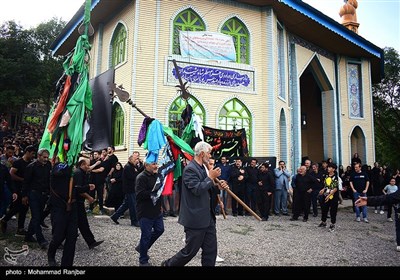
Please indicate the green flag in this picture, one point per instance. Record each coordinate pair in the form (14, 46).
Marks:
(63, 135)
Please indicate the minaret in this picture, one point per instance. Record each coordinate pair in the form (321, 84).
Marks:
(349, 16)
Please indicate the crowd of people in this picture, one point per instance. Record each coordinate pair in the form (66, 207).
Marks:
(315, 186)
(31, 181)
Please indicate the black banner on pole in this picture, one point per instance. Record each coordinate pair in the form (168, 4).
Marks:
(99, 135)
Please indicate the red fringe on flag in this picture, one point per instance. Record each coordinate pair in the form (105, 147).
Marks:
(60, 106)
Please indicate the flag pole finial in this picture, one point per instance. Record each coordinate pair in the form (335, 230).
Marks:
(86, 27)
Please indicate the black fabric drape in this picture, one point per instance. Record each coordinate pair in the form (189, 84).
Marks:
(99, 135)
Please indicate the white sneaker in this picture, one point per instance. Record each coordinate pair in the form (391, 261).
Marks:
(358, 219)
(376, 211)
(219, 259)
(366, 220)
(390, 220)
(381, 212)
(398, 249)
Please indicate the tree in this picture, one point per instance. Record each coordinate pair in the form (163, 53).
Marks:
(386, 97)
(52, 69)
(28, 72)
(19, 62)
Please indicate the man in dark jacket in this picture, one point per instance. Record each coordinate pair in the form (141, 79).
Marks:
(129, 174)
(302, 201)
(197, 212)
(149, 214)
(386, 199)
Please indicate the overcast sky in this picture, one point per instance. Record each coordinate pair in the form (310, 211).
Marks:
(379, 19)
(29, 13)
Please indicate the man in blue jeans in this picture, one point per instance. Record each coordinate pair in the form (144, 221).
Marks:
(149, 214)
(359, 183)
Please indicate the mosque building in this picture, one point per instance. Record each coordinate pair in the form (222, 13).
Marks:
(298, 82)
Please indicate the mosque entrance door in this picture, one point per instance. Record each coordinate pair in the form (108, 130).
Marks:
(318, 122)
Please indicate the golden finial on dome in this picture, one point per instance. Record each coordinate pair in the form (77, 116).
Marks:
(349, 15)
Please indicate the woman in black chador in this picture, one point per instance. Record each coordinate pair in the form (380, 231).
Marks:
(115, 193)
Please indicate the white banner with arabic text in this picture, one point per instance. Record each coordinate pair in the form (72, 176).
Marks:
(207, 45)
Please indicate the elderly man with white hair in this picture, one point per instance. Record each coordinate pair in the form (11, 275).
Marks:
(197, 213)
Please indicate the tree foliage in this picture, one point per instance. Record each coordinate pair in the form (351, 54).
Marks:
(28, 72)
(386, 96)
(45, 34)
(19, 67)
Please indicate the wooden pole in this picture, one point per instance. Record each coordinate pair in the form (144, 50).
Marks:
(234, 196)
(243, 204)
(222, 208)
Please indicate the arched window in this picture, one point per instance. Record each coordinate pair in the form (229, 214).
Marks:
(187, 20)
(354, 77)
(283, 137)
(281, 63)
(117, 125)
(235, 115)
(118, 45)
(240, 34)
(176, 110)
(358, 143)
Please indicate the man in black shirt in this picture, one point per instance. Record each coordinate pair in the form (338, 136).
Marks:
(64, 212)
(81, 178)
(36, 187)
(99, 169)
(359, 183)
(17, 172)
(265, 189)
(5, 180)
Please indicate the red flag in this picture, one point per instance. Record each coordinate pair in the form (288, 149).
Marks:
(168, 184)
